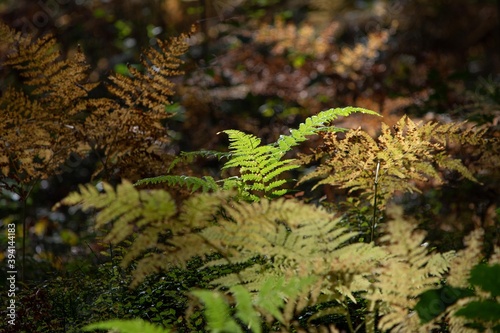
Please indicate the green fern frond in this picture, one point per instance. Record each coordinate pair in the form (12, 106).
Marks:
(189, 157)
(261, 165)
(277, 300)
(205, 184)
(316, 123)
(126, 326)
(258, 165)
(217, 312)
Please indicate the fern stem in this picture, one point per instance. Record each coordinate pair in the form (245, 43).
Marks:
(375, 202)
(349, 320)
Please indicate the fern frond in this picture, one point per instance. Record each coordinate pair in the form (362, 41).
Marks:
(151, 89)
(459, 276)
(126, 326)
(205, 184)
(260, 165)
(126, 207)
(408, 154)
(53, 91)
(297, 240)
(58, 83)
(465, 259)
(408, 271)
(217, 312)
(314, 124)
(275, 301)
(189, 157)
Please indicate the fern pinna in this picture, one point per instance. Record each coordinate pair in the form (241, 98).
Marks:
(260, 166)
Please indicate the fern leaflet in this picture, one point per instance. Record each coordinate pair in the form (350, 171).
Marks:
(205, 184)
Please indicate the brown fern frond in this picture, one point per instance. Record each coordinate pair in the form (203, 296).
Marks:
(38, 123)
(128, 127)
(151, 88)
(58, 83)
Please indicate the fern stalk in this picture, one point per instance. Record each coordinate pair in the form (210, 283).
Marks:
(375, 202)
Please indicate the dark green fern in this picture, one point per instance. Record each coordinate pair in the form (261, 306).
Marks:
(205, 183)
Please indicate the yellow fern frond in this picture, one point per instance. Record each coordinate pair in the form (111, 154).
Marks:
(465, 259)
(409, 270)
(407, 154)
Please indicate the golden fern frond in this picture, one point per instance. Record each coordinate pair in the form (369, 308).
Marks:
(145, 214)
(409, 270)
(459, 275)
(8, 36)
(59, 84)
(296, 240)
(148, 216)
(407, 154)
(126, 207)
(465, 259)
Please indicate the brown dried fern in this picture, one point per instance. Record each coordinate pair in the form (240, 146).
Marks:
(37, 123)
(128, 127)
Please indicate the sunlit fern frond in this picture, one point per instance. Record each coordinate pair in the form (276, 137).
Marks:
(274, 302)
(124, 206)
(296, 240)
(315, 124)
(261, 165)
(465, 259)
(407, 154)
(460, 277)
(409, 270)
(258, 165)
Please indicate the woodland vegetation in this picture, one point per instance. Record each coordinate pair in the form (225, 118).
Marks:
(251, 165)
